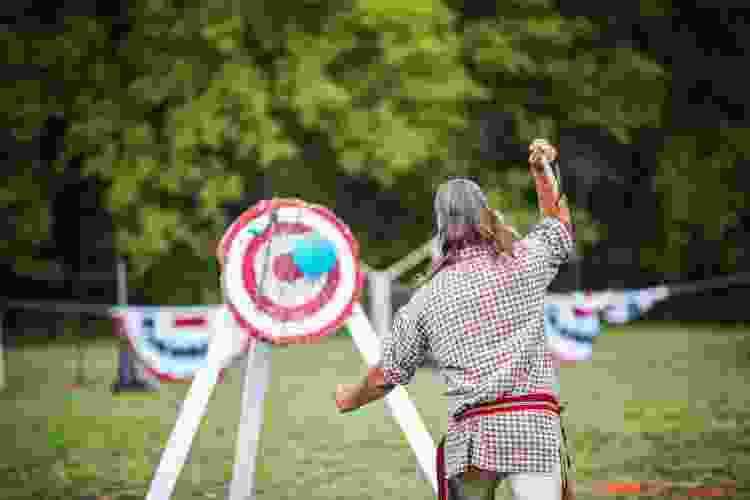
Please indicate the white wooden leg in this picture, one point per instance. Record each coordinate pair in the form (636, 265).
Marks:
(255, 382)
(178, 446)
(381, 303)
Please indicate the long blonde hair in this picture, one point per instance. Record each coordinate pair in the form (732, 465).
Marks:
(493, 228)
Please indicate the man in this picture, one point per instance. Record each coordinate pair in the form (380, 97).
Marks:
(481, 315)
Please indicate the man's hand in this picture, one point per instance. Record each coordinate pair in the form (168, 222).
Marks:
(373, 388)
(539, 151)
(347, 397)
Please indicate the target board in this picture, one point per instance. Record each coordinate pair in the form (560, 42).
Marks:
(280, 281)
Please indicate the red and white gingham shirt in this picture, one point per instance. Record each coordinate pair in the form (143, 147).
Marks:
(483, 320)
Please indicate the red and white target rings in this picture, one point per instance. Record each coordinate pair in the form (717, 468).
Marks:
(268, 295)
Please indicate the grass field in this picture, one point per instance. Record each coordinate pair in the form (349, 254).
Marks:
(657, 402)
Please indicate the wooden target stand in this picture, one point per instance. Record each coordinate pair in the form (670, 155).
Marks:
(230, 341)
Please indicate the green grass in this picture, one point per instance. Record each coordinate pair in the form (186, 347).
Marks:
(657, 402)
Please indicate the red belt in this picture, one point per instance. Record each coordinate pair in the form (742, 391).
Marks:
(544, 402)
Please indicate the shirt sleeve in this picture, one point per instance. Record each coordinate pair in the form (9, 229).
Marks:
(555, 241)
(404, 349)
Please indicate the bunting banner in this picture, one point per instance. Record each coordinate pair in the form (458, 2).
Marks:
(571, 327)
(629, 305)
(173, 341)
(573, 321)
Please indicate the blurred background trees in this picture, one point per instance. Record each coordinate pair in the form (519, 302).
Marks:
(142, 127)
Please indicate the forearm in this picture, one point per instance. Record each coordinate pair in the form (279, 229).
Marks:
(375, 384)
(551, 201)
(373, 387)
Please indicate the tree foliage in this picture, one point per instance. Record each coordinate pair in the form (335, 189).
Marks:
(693, 165)
(183, 106)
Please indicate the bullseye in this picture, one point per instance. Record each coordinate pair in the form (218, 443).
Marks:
(284, 268)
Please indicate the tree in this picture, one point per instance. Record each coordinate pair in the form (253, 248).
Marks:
(180, 108)
(691, 171)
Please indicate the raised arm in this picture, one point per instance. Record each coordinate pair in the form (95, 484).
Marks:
(552, 203)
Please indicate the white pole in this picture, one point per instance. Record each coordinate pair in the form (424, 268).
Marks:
(257, 374)
(380, 302)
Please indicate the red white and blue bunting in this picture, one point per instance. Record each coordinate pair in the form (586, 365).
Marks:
(173, 342)
(572, 322)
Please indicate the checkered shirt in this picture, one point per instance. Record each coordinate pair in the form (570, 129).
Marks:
(483, 320)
